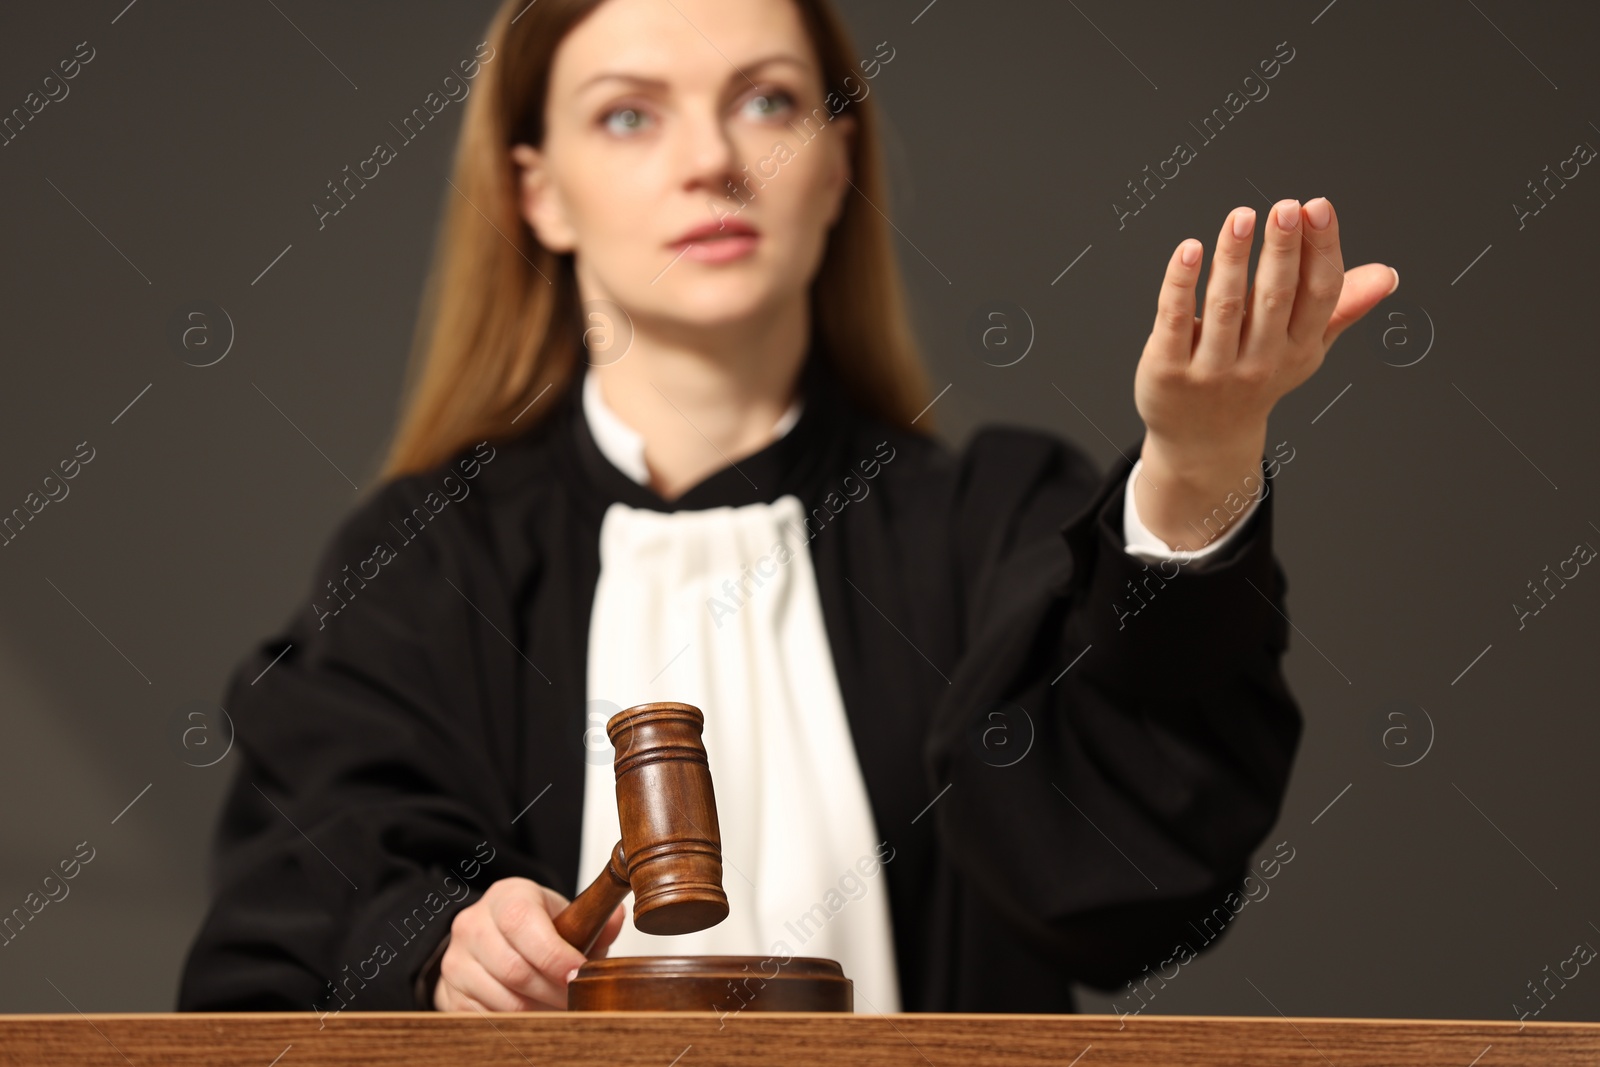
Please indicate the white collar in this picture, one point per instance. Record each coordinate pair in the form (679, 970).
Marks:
(624, 446)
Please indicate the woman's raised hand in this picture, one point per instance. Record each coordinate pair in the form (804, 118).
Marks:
(505, 954)
(1206, 384)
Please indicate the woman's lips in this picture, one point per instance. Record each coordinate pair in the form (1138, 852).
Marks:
(721, 241)
(718, 249)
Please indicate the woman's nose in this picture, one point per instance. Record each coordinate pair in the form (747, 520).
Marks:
(706, 150)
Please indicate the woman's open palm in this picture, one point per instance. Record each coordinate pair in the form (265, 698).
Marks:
(1207, 382)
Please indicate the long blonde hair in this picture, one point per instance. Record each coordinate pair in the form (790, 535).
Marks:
(500, 325)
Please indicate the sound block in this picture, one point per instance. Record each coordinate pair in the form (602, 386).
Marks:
(724, 984)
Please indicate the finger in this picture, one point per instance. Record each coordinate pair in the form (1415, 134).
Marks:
(523, 915)
(462, 1002)
(474, 986)
(1364, 287)
(1277, 275)
(511, 969)
(553, 902)
(1321, 273)
(1171, 341)
(1223, 316)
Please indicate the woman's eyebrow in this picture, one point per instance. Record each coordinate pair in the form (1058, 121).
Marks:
(657, 83)
(766, 61)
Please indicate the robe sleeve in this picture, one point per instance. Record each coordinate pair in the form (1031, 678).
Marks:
(1145, 742)
(364, 809)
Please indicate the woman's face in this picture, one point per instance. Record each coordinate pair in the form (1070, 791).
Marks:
(656, 109)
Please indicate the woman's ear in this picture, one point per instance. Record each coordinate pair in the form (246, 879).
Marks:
(539, 200)
(845, 126)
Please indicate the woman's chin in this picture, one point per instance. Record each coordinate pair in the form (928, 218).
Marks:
(718, 301)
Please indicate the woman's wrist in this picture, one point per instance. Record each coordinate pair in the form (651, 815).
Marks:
(1189, 497)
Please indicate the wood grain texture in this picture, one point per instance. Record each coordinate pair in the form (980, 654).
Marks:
(660, 1039)
(721, 984)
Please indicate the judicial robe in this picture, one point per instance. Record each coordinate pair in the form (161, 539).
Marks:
(417, 728)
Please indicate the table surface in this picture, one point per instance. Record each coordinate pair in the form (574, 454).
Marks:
(699, 1039)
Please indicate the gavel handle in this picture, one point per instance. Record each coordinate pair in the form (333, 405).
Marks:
(581, 921)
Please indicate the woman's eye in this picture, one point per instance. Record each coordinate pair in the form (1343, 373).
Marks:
(771, 103)
(627, 120)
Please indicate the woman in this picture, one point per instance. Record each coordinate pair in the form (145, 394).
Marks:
(669, 442)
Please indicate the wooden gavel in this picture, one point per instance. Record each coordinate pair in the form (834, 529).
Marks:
(670, 857)
(670, 854)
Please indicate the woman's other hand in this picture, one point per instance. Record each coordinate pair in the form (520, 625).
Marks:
(1205, 385)
(505, 954)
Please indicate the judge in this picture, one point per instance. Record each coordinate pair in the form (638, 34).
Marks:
(982, 723)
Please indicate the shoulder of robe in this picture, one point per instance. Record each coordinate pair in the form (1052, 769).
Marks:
(1017, 484)
(1001, 464)
(397, 517)
(392, 547)
(1001, 502)
(504, 469)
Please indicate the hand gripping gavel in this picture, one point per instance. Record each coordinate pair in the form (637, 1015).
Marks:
(670, 858)
(670, 855)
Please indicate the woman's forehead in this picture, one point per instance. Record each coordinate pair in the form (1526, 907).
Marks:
(679, 41)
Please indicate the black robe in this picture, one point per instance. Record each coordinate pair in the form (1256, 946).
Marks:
(433, 688)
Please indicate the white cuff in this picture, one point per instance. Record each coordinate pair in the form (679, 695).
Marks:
(1143, 544)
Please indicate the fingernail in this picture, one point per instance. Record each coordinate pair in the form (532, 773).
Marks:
(1396, 284)
(572, 974)
(1289, 215)
(1318, 213)
(1189, 253)
(1244, 220)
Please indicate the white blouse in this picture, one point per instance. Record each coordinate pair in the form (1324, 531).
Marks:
(799, 844)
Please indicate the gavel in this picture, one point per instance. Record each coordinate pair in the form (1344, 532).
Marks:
(670, 854)
(670, 858)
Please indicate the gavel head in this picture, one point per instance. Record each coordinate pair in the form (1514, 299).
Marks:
(668, 814)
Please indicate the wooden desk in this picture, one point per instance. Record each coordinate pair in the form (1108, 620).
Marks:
(700, 1039)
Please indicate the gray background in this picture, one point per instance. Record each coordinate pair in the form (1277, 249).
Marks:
(1420, 501)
